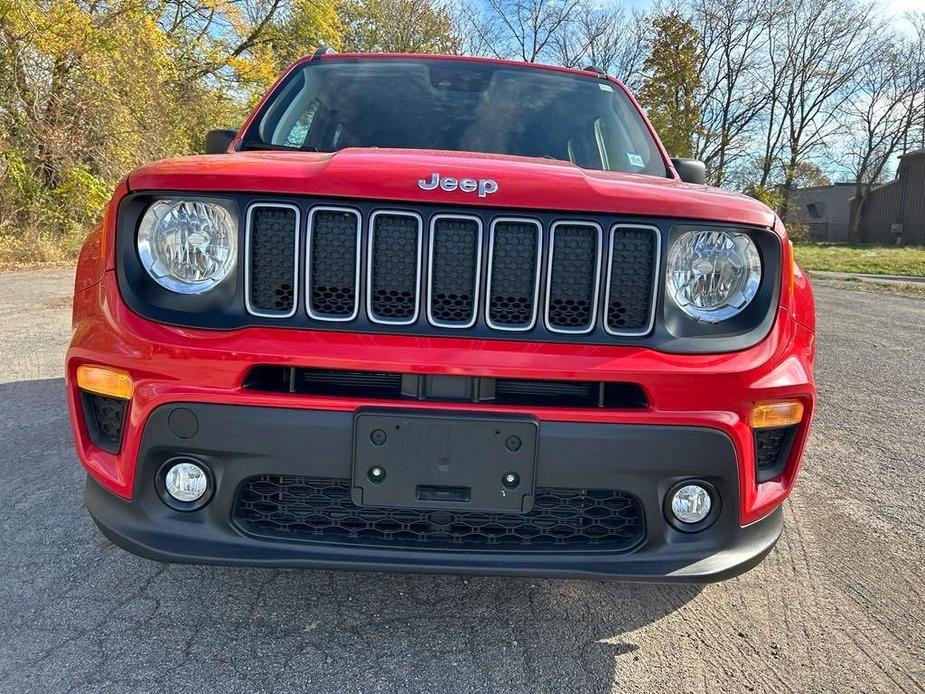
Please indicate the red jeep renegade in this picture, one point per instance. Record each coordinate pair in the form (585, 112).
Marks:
(441, 314)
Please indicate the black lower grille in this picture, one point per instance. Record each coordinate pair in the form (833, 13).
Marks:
(105, 419)
(273, 234)
(631, 276)
(320, 509)
(772, 449)
(404, 387)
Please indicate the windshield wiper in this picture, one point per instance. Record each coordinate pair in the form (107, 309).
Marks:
(269, 146)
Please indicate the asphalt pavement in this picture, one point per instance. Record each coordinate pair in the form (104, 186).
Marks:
(838, 606)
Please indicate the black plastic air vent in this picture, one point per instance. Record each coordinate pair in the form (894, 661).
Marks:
(379, 385)
(315, 509)
(105, 419)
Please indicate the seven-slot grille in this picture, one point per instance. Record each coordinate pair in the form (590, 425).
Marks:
(452, 271)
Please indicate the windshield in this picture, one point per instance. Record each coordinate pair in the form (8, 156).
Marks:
(328, 105)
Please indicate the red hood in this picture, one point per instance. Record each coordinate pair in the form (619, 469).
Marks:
(387, 174)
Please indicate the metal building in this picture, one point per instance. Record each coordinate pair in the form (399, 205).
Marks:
(823, 210)
(895, 211)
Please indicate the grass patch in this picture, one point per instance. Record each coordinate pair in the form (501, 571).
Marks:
(907, 289)
(872, 260)
(35, 250)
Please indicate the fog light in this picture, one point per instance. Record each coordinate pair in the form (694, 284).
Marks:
(186, 482)
(691, 504)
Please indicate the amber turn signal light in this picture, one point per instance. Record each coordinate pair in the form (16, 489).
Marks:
(766, 415)
(103, 381)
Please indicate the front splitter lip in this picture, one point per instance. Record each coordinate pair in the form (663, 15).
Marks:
(116, 521)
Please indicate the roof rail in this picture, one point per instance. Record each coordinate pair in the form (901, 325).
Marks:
(323, 50)
(596, 69)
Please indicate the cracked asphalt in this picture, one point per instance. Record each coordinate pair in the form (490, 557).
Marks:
(837, 606)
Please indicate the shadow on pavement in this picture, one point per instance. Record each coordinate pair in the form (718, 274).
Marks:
(82, 613)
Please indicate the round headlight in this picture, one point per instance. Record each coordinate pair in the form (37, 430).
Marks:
(188, 246)
(713, 275)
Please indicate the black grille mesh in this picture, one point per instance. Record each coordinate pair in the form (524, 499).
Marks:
(573, 275)
(453, 278)
(513, 274)
(272, 259)
(772, 447)
(394, 268)
(632, 271)
(333, 257)
(105, 419)
(768, 444)
(320, 509)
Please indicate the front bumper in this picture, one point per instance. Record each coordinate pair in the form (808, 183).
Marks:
(237, 442)
(696, 425)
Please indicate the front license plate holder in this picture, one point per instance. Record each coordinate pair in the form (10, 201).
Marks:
(444, 462)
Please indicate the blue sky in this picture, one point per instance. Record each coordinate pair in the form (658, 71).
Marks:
(892, 7)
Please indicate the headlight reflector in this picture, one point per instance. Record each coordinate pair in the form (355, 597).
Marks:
(188, 246)
(713, 275)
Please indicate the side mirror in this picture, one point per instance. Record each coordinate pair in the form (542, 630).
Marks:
(691, 170)
(217, 141)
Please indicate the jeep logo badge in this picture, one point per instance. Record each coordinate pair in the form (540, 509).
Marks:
(484, 186)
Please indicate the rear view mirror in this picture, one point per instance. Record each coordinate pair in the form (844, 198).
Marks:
(691, 170)
(217, 141)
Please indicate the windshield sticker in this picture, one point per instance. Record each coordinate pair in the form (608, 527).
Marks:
(635, 160)
(605, 87)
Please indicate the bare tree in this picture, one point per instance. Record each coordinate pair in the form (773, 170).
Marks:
(519, 29)
(606, 37)
(827, 46)
(916, 136)
(734, 42)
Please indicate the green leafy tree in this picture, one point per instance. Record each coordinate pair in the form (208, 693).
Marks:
(672, 81)
(90, 90)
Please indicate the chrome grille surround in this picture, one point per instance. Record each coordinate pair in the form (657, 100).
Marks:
(371, 266)
(536, 275)
(248, 257)
(430, 270)
(310, 226)
(656, 265)
(596, 282)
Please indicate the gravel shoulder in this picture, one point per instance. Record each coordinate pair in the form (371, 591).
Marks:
(838, 606)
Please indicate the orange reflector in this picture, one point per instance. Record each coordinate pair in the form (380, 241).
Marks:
(776, 414)
(103, 381)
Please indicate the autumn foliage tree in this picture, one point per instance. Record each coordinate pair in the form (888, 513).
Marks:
(90, 89)
(765, 91)
(672, 80)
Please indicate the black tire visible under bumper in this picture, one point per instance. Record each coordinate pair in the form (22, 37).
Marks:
(240, 442)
